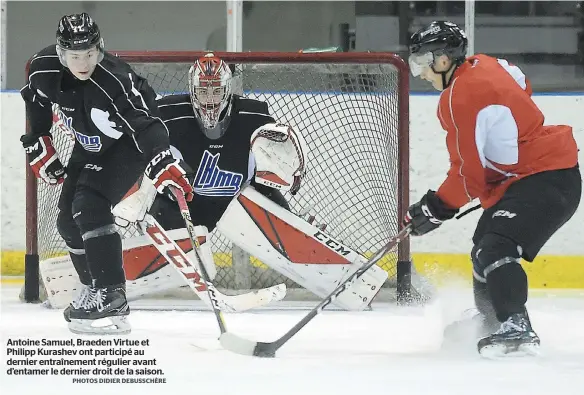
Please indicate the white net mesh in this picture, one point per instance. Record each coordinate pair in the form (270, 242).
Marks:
(349, 115)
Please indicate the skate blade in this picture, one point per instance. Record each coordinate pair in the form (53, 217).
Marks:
(499, 351)
(103, 326)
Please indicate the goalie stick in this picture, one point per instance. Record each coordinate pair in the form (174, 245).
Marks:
(196, 276)
(211, 290)
(242, 346)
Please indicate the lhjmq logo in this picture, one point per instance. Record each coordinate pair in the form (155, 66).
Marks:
(212, 181)
(90, 143)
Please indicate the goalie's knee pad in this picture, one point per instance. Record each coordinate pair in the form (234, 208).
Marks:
(92, 214)
(491, 252)
(69, 231)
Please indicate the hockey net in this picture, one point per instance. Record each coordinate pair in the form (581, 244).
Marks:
(352, 109)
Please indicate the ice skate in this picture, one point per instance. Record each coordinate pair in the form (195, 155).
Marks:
(83, 297)
(515, 337)
(105, 312)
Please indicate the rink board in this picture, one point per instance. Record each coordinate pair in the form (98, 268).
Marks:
(547, 271)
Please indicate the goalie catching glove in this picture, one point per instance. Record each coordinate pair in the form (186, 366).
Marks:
(428, 214)
(164, 170)
(280, 156)
(43, 158)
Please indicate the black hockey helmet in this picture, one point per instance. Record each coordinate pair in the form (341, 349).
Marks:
(436, 39)
(78, 32)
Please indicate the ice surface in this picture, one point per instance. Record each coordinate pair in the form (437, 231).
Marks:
(388, 350)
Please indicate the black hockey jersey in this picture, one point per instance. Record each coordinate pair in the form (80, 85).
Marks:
(222, 166)
(114, 102)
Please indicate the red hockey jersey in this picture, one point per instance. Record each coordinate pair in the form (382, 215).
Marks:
(495, 133)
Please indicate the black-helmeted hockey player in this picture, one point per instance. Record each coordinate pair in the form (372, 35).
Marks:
(524, 173)
(112, 115)
(211, 129)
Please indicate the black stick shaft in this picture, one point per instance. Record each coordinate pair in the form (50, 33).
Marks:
(271, 348)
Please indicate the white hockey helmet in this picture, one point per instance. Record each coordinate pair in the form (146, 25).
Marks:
(210, 88)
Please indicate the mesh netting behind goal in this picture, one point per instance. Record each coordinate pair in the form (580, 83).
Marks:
(352, 109)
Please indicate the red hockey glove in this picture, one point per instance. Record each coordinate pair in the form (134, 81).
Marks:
(428, 214)
(43, 159)
(164, 170)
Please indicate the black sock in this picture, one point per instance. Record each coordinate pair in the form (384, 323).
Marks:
(483, 300)
(104, 258)
(80, 265)
(508, 290)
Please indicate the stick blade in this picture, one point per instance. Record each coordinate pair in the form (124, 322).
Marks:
(251, 300)
(239, 345)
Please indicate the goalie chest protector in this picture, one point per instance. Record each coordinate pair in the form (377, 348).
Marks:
(221, 165)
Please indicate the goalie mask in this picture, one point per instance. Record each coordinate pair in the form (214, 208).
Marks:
(210, 90)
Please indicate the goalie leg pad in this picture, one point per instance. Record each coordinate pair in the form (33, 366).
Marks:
(298, 249)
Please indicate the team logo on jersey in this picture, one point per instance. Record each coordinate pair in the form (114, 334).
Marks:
(212, 181)
(90, 143)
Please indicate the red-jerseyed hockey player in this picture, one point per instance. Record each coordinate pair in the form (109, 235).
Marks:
(525, 175)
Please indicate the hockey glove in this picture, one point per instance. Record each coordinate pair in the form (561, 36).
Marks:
(428, 214)
(43, 158)
(164, 170)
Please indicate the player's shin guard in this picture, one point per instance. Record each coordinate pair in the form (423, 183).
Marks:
(104, 256)
(496, 262)
(103, 245)
(79, 261)
(507, 287)
(84, 292)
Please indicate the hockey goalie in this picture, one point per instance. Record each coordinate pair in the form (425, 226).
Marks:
(242, 160)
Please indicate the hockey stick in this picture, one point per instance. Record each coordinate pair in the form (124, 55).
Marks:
(189, 272)
(239, 345)
(211, 290)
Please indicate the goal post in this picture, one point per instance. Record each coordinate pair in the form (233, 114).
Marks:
(352, 108)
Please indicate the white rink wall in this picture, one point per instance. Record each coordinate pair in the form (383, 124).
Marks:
(428, 167)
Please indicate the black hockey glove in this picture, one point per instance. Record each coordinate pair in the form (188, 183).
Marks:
(165, 170)
(43, 158)
(428, 214)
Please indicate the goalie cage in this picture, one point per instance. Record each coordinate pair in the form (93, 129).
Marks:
(352, 109)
